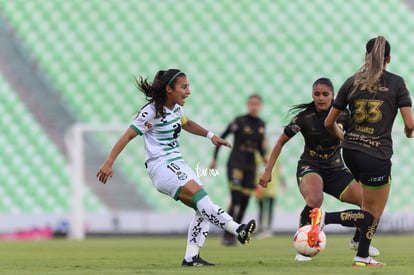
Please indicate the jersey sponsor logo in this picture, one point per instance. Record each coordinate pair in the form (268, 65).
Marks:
(363, 140)
(248, 130)
(378, 179)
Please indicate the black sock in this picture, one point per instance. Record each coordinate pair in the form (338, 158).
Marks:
(244, 202)
(349, 218)
(367, 233)
(357, 235)
(260, 218)
(270, 214)
(233, 209)
(304, 216)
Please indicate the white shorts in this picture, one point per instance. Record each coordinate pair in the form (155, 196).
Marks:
(168, 178)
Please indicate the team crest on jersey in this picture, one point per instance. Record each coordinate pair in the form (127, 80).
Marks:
(181, 175)
(148, 125)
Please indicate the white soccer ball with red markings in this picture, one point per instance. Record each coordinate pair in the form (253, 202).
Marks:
(300, 242)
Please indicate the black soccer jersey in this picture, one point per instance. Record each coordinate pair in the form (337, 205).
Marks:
(249, 133)
(321, 149)
(372, 114)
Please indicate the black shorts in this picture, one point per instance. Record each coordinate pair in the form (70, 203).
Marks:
(241, 179)
(368, 170)
(335, 181)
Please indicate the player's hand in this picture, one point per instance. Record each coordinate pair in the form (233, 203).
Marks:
(265, 179)
(219, 141)
(408, 133)
(213, 164)
(105, 172)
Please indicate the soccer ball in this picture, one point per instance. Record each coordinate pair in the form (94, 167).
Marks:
(300, 242)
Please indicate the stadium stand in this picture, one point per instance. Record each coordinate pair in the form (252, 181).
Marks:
(35, 175)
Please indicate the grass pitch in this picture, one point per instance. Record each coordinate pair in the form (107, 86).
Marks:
(163, 255)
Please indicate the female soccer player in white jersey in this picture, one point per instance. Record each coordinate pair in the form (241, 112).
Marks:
(160, 123)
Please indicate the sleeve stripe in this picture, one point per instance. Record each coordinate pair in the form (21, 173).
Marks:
(132, 126)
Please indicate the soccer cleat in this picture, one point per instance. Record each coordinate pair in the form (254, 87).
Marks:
(302, 258)
(317, 217)
(245, 231)
(373, 252)
(368, 261)
(196, 261)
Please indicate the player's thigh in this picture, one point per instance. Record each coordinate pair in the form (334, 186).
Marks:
(353, 194)
(248, 182)
(375, 200)
(341, 184)
(174, 178)
(235, 177)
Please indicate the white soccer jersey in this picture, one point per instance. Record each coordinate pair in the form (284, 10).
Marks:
(160, 133)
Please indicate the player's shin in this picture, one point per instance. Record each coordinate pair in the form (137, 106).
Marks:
(197, 234)
(367, 233)
(213, 213)
(349, 218)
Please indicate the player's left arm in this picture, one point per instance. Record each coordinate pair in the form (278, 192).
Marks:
(408, 119)
(196, 129)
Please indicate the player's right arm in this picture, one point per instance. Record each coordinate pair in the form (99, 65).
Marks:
(105, 171)
(140, 125)
(267, 174)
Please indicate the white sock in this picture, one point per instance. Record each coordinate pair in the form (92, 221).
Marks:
(191, 251)
(197, 234)
(216, 215)
(232, 227)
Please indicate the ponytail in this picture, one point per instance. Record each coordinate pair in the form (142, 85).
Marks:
(367, 77)
(155, 92)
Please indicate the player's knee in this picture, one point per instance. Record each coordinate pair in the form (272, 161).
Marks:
(314, 201)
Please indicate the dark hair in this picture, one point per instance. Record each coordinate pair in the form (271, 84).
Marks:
(370, 45)
(300, 107)
(256, 96)
(155, 91)
(367, 77)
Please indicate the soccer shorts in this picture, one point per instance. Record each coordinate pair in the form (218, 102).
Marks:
(335, 181)
(368, 170)
(169, 178)
(241, 179)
